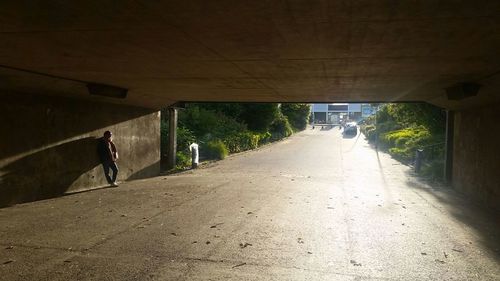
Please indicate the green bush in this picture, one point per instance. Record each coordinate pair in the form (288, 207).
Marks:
(242, 141)
(403, 143)
(259, 116)
(246, 141)
(418, 114)
(264, 138)
(280, 128)
(369, 131)
(183, 160)
(209, 124)
(216, 149)
(297, 114)
(387, 126)
(185, 138)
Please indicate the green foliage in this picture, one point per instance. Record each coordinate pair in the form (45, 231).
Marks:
(183, 159)
(242, 141)
(185, 138)
(208, 124)
(369, 131)
(403, 143)
(395, 116)
(418, 114)
(216, 149)
(246, 141)
(416, 136)
(232, 110)
(383, 115)
(221, 128)
(297, 114)
(200, 121)
(259, 116)
(264, 138)
(280, 128)
(403, 128)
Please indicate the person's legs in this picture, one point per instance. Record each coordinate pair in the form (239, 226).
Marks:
(114, 168)
(106, 167)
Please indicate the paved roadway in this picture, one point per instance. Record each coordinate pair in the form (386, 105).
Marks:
(316, 206)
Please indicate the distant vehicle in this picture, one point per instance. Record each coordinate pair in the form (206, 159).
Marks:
(351, 128)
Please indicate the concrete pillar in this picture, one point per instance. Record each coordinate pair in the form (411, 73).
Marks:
(448, 152)
(172, 137)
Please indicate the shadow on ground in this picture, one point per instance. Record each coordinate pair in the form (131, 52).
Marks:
(327, 128)
(149, 171)
(46, 174)
(349, 136)
(485, 222)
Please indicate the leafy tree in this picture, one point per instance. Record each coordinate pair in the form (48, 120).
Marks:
(259, 116)
(297, 114)
(280, 127)
(203, 122)
(418, 114)
(232, 110)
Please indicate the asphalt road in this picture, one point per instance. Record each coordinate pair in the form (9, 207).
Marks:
(316, 206)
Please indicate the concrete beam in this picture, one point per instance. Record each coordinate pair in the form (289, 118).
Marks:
(263, 51)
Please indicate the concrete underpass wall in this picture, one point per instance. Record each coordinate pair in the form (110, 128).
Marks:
(48, 145)
(476, 167)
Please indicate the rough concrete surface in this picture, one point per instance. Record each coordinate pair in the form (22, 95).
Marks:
(316, 206)
(476, 165)
(49, 145)
(296, 51)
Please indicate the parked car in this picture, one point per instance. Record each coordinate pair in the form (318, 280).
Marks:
(351, 128)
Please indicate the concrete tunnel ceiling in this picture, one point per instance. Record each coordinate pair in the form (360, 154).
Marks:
(285, 51)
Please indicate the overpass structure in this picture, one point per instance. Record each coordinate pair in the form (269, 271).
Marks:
(71, 69)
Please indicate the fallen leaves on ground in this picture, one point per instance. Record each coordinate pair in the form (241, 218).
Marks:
(353, 262)
(245, 245)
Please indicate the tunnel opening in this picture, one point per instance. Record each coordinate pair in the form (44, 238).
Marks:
(413, 133)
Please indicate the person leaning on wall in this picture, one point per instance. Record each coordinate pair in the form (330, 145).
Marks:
(108, 156)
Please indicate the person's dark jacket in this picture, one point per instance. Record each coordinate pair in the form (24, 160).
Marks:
(104, 151)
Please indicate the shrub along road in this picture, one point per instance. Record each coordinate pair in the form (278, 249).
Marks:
(315, 206)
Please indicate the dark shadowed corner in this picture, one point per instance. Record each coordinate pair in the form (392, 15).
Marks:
(47, 173)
